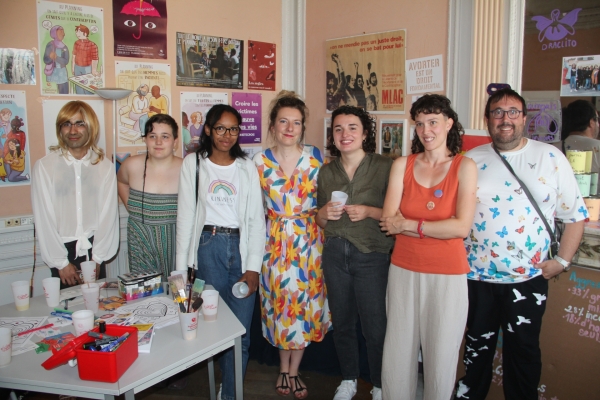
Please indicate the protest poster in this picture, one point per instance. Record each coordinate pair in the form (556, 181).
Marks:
(425, 75)
(140, 28)
(71, 42)
(367, 71)
(151, 85)
(249, 106)
(209, 61)
(15, 135)
(194, 106)
(262, 63)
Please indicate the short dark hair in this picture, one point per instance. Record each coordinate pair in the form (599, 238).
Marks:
(290, 99)
(212, 117)
(161, 119)
(367, 121)
(577, 116)
(438, 104)
(502, 94)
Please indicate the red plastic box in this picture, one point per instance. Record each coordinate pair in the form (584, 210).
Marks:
(109, 366)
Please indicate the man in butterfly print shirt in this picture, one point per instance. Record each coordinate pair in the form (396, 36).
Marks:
(517, 259)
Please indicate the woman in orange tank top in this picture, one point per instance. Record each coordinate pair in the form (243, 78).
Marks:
(429, 207)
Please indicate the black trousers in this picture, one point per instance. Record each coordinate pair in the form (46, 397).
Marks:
(76, 261)
(518, 308)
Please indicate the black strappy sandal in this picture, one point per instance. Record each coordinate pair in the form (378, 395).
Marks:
(285, 385)
(299, 387)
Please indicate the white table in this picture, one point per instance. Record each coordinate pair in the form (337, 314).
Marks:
(170, 354)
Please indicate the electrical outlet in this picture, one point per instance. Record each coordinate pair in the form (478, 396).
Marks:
(12, 222)
(26, 220)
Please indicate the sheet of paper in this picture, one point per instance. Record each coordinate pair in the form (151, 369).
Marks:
(22, 344)
(160, 311)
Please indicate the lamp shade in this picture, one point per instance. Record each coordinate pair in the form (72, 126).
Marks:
(113, 93)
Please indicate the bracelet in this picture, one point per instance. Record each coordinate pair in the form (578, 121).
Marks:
(420, 228)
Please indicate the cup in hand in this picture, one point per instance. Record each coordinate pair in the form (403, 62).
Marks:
(21, 294)
(83, 321)
(210, 304)
(189, 324)
(5, 346)
(240, 290)
(51, 291)
(88, 270)
(341, 197)
(91, 294)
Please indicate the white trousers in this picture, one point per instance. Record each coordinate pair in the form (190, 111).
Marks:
(427, 311)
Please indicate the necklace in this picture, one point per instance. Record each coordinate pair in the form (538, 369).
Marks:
(438, 195)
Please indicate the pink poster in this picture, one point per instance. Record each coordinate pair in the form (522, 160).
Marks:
(261, 65)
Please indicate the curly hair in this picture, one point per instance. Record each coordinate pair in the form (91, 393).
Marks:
(438, 104)
(287, 99)
(368, 124)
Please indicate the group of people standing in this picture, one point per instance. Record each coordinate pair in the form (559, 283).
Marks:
(391, 257)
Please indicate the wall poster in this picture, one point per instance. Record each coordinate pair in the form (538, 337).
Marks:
(544, 120)
(209, 61)
(140, 28)
(249, 106)
(194, 106)
(17, 66)
(367, 71)
(15, 158)
(71, 42)
(262, 64)
(580, 76)
(151, 85)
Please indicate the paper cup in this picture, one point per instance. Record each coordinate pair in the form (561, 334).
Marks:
(91, 293)
(21, 294)
(183, 274)
(210, 304)
(584, 182)
(83, 321)
(189, 324)
(88, 270)
(51, 291)
(593, 207)
(594, 184)
(337, 196)
(5, 346)
(577, 159)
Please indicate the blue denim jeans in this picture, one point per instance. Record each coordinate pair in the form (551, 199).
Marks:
(356, 287)
(220, 265)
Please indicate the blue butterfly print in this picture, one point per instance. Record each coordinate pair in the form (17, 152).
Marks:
(507, 183)
(547, 198)
(494, 244)
(539, 229)
(484, 167)
(485, 241)
(528, 210)
(529, 243)
(511, 212)
(547, 243)
(510, 198)
(532, 272)
(551, 155)
(471, 259)
(480, 271)
(584, 211)
(481, 214)
(494, 273)
(495, 212)
(471, 275)
(503, 232)
(475, 247)
(480, 227)
(506, 261)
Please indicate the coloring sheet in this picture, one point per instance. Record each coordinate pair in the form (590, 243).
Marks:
(22, 344)
(160, 311)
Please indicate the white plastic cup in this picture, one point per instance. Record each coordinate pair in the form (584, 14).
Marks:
(21, 294)
(183, 274)
(240, 290)
(88, 270)
(83, 321)
(51, 291)
(337, 196)
(91, 294)
(189, 324)
(5, 346)
(210, 304)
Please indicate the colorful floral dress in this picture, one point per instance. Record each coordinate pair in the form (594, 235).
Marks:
(294, 309)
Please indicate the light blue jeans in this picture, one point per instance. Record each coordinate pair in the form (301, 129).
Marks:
(220, 265)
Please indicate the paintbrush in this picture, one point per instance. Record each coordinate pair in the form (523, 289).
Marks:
(178, 290)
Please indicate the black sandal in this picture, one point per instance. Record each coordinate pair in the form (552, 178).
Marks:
(299, 387)
(285, 384)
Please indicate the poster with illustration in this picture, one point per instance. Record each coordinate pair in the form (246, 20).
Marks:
(17, 67)
(151, 85)
(194, 106)
(15, 158)
(71, 42)
(544, 120)
(262, 63)
(50, 109)
(367, 71)
(580, 76)
(140, 28)
(209, 61)
(393, 138)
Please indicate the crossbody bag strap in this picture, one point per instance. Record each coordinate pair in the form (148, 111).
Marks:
(197, 175)
(529, 196)
(563, 146)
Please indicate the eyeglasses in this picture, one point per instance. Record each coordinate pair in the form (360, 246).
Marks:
(67, 125)
(221, 130)
(498, 113)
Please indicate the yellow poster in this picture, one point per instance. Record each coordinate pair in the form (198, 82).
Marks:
(367, 71)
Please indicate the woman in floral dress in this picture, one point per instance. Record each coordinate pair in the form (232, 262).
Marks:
(293, 299)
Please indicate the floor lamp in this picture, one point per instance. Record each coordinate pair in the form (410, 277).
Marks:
(114, 94)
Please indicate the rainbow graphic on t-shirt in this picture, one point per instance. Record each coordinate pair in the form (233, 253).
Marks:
(219, 185)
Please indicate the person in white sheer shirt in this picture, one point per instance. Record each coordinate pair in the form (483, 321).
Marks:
(74, 197)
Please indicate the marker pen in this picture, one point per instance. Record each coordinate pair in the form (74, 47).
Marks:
(115, 343)
(101, 335)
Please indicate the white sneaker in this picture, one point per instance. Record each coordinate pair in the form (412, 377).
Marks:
(346, 390)
(376, 392)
